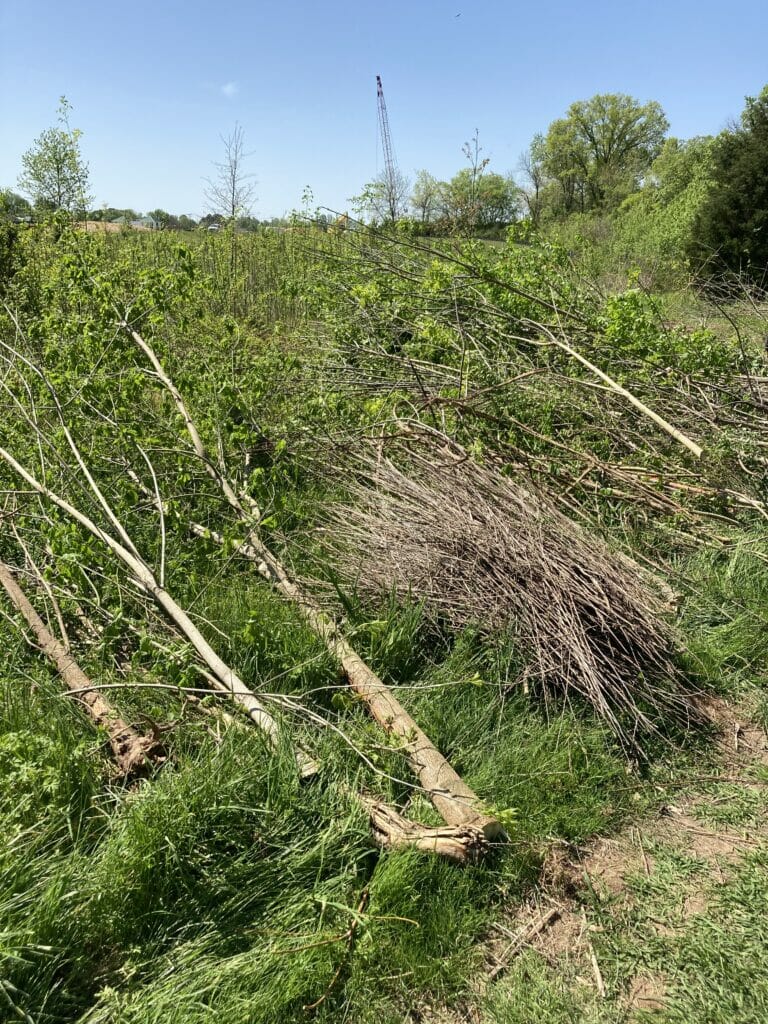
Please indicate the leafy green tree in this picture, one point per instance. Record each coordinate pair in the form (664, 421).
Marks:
(426, 196)
(680, 164)
(475, 198)
(730, 230)
(55, 174)
(480, 202)
(383, 200)
(600, 151)
(162, 218)
(534, 178)
(652, 227)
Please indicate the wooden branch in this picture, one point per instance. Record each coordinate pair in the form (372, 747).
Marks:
(132, 751)
(453, 799)
(392, 831)
(620, 390)
(227, 680)
(522, 939)
(457, 804)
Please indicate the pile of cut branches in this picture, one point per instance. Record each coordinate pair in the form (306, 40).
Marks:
(624, 417)
(481, 550)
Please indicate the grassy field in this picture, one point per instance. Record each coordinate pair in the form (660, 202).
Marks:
(220, 885)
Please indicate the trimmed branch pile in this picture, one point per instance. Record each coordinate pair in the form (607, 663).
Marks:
(480, 550)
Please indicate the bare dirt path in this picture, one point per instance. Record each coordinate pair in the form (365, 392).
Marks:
(558, 922)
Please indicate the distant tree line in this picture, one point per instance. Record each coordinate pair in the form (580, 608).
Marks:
(606, 170)
(15, 207)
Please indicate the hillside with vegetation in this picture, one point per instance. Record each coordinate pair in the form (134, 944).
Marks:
(383, 600)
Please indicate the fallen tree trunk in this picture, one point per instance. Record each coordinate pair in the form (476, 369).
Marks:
(454, 800)
(131, 751)
(223, 677)
(458, 805)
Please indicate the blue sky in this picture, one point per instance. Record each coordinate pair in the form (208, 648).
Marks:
(154, 85)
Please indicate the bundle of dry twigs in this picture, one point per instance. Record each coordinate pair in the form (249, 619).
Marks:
(481, 550)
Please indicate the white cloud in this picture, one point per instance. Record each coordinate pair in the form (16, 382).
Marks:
(230, 89)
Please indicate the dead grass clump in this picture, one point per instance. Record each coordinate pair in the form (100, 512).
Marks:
(477, 548)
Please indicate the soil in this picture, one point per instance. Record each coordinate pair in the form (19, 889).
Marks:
(605, 866)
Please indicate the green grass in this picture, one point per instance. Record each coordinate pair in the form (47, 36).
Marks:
(222, 888)
(708, 957)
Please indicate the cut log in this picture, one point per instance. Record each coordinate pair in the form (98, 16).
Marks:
(392, 831)
(132, 752)
(225, 679)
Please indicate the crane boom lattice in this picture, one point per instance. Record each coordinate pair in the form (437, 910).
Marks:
(390, 164)
(386, 137)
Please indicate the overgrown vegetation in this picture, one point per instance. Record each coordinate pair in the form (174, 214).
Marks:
(204, 404)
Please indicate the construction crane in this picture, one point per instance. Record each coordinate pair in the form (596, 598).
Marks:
(391, 173)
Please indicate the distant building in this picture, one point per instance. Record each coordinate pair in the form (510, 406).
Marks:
(140, 224)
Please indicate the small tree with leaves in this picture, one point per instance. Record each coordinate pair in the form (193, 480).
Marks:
(384, 199)
(426, 196)
(55, 175)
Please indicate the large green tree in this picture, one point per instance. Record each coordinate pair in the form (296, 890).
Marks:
(54, 175)
(599, 152)
(476, 202)
(731, 228)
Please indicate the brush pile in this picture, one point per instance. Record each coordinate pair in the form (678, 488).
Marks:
(480, 550)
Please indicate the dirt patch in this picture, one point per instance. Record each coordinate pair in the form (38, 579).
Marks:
(610, 862)
(569, 875)
(646, 993)
(563, 940)
(739, 740)
(678, 828)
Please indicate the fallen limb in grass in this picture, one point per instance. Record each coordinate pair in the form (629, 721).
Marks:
(222, 676)
(393, 832)
(131, 751)
(457, 804)
(614, 385)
